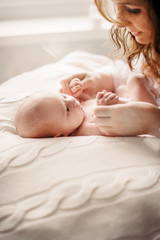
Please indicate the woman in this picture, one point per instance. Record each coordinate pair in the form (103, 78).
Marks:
(136, 29)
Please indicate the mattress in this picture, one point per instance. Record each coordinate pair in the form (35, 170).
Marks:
(74, 188)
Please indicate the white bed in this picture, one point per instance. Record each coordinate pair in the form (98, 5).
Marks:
(74, 188)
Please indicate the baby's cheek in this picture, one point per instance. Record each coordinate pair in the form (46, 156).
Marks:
(81, 115)
(64, 91)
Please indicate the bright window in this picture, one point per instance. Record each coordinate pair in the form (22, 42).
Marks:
(29, 9)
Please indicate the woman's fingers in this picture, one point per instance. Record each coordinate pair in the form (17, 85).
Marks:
(66, 81)
(115, 120)
(103, 111)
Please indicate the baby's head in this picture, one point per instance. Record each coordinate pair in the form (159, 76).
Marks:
(49, 115)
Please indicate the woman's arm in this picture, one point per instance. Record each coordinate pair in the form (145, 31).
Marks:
(130, 119)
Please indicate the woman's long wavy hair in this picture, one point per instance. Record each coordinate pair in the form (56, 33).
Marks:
(131, 48)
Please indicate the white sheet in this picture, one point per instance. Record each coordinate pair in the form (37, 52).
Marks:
(74, 188)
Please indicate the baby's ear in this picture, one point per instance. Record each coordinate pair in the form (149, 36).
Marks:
(58, 135)
(66, 135)
(61, 135)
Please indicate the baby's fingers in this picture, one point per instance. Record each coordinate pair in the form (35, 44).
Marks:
(110, 99)
(107, 98)
(76, 91)
(76, 87)
(99, 96)
(75, 81)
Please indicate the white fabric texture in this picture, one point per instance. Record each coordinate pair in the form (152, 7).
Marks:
(74, 188)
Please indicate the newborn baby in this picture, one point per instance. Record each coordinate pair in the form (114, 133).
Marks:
(58, 114)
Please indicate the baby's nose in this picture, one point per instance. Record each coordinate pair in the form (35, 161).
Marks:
(72, 101)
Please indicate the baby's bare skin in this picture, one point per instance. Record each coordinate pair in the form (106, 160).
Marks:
(88, 127)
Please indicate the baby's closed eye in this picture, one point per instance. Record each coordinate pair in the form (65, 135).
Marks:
(67, 109)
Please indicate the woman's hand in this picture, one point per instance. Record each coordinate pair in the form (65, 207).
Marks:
(129, 119)
(92, 83)
(65, 83)
(79, 85)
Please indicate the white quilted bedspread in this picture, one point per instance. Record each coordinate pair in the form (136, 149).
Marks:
(74, 188)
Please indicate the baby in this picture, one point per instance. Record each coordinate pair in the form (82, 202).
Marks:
(58, 114)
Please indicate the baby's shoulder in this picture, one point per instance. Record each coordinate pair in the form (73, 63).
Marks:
(87, 129)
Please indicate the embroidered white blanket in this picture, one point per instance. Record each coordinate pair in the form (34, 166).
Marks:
(74, 188)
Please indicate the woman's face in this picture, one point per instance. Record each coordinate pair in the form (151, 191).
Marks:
(134, 15)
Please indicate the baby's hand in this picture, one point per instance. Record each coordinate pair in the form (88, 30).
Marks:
(76, 87)
(106, 98)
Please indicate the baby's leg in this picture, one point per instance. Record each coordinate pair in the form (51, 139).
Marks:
(138, 91)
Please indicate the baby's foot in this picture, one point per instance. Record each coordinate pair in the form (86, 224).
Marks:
(76, 87)
(106, 98)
